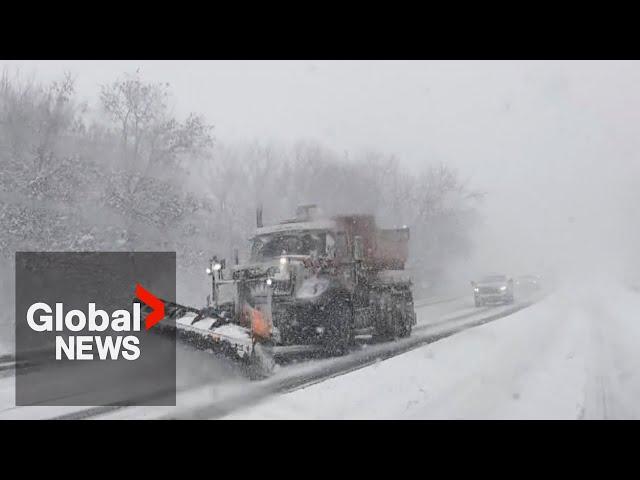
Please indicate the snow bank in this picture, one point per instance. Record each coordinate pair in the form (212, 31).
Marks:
(574, 355)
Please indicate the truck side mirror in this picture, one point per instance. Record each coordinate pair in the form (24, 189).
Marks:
(358, 248)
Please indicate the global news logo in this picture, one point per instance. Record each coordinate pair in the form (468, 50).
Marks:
(123, 326)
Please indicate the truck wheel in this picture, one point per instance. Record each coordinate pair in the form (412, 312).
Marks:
(339, 334)
(338, 341)
(403, 321)
(400, 327)
(407, 326)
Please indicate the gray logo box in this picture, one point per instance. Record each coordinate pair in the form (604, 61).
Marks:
(107, 279)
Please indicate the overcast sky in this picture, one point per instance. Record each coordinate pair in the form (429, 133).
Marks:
(554, 144)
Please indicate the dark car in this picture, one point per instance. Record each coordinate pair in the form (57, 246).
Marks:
(493, 289)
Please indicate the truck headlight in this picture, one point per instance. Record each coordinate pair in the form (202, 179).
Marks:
(216, 267)
(283, 260)
(209, 271)
(476, 289)
(503, 288)
(269, 281)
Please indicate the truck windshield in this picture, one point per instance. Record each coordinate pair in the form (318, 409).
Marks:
(290, 243)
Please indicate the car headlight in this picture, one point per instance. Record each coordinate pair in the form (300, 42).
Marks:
(283, 260)
(269, 281)
(216, 267)
(476, 289)
(503, 288)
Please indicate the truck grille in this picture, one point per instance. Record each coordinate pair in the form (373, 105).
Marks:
(281, 287)
(259, 288)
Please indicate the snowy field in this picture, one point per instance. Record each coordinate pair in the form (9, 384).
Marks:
(574, 355)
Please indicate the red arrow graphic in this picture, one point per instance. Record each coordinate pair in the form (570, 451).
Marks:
(154, 302)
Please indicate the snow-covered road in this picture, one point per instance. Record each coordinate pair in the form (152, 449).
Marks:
(206, 378)
(484, 372)
(573, 355)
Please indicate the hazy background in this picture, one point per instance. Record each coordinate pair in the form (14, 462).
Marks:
(553, 144)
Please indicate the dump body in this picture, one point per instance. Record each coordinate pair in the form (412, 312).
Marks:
(384, 249)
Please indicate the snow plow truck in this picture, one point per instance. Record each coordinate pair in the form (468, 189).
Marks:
(312, 285)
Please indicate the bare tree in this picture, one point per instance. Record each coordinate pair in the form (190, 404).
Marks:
(37, 123)
(149, 133)
(136, 107)
(150, 136)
